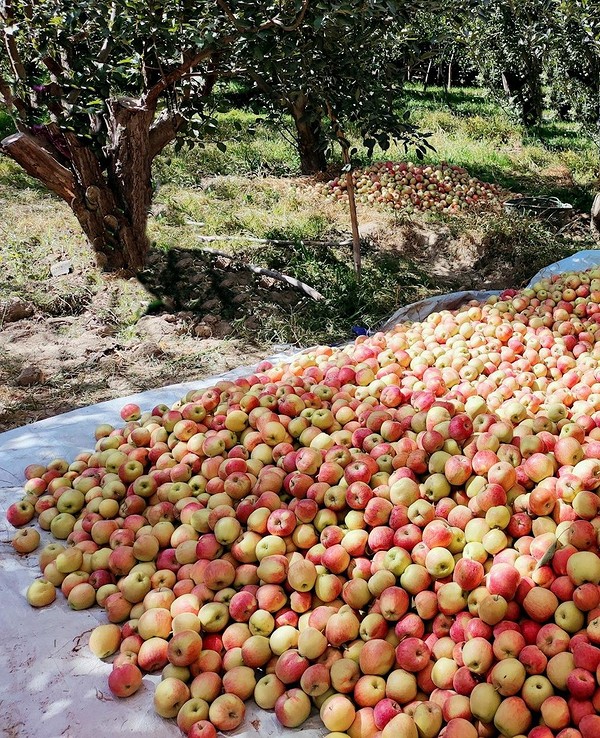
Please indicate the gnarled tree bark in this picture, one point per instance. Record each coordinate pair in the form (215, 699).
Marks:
(110, 199)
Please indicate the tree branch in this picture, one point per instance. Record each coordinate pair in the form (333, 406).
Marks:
(294, 26)
(151, 97)
(106, 46)
(11, 101)
(163, 131)
(39, 163)
(267, 24)
(14, 57)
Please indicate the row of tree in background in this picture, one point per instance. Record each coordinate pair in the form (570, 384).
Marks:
(99, 88)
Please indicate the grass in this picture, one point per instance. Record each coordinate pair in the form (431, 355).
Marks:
(245, 192)
(471, 130)
(387, 280)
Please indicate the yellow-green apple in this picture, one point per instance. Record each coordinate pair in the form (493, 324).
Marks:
(26, 540)
(169, 696)
(484, 700)
(283, 638)
(337, 713)
(400, 726)
(105, 640)
(428, 719)
(344, 674)
(368, 690)
(227, 712)
(584, 566)
(41, 593)
(492, 609)
(190, 713)
(508, 677)
(311, 643)
(559, 667)
(478, 655)
(267, 691)
(401, 685)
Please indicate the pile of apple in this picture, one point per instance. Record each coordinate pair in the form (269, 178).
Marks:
(401, 533)
(405, 186)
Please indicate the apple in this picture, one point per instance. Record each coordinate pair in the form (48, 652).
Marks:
(292, 708)
(41, 593)
(105, 640)
(227, 712)
(125, 680)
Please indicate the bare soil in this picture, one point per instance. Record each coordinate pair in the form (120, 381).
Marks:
(193, 321)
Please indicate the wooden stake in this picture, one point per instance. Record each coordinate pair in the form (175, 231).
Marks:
(343, 141)
(353, 217)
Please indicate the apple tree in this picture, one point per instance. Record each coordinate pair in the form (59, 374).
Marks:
(575, 72)
(98, 88)
(510, 41)
(344, 68)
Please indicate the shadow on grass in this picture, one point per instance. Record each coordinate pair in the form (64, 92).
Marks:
(461, 100)
(530, 184)
(207, 283)
(557, 136)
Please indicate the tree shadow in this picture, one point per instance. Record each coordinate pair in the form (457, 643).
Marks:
(220, 284)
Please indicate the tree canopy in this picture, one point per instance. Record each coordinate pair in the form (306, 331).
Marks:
(100, 87)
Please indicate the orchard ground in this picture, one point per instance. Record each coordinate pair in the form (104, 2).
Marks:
(85, 337)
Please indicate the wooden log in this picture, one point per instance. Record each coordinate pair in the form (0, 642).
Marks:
(307, 289)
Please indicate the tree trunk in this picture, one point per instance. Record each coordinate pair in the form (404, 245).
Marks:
(449, 77)
(111, 207)
(427, 73)
(528, 94)
(595, 216)
(308, 136)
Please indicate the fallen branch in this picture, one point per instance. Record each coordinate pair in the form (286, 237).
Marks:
(307, 289)
(277, 242)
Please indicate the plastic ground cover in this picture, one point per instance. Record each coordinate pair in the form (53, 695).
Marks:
(50, 685)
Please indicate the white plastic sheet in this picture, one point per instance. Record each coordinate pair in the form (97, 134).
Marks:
(418, 311)
(50, 685)
(576, 262)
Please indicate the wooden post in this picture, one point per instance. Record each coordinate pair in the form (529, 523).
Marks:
(343, 141)
(353, 216)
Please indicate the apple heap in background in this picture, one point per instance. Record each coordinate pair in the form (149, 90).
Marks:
(405, 186)
(401, 533)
